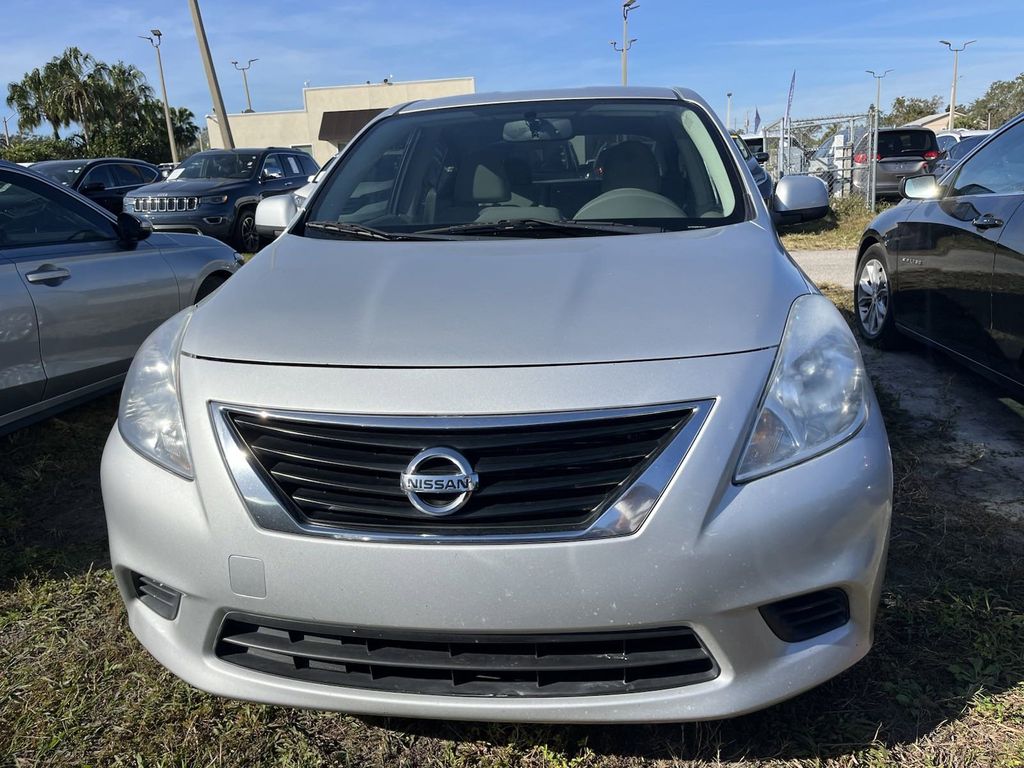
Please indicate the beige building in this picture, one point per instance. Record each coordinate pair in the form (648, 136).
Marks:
(330, 116)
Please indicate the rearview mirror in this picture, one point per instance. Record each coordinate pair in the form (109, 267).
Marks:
(537, 129)
(274, 214)
(798, 199)
(762, 157)
(920, 188)
(132, 229)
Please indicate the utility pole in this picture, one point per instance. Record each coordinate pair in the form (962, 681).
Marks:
(728, 111)
(873, 143)
(211, 76)
(245, 80)
(627, 43)
(956, 63)
(7, 133)
(155, 42)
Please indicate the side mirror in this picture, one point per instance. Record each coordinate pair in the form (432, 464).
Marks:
(762, 157)
(132, 229)
(798, 199)
(921, 188)
(274, 214)
(92, 187)
(310, 178)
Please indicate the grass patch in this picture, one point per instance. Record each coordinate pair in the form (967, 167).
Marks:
(842, 227)
(941, 688)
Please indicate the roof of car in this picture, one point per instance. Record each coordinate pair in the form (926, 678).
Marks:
(255, 150)
(509, 97)
(88, 160)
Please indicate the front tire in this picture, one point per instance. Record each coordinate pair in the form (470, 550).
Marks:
(247, 239)
(872, 298)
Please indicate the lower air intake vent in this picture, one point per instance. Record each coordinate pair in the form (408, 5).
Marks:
(468, 664)
(806, 616)
(160, 598)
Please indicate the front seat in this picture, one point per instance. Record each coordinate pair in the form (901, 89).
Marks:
(629, 164)
(484, 183)
(630, 180)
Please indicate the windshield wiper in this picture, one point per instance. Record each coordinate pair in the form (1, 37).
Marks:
(350, 230)
(543, 227)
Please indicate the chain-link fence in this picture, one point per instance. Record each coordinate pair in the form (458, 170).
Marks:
(838, 149)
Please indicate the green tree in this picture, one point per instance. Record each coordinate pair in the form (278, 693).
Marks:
(112, 105)
(34, 100)
(1003, 99)
(79, 83)
(906, 109)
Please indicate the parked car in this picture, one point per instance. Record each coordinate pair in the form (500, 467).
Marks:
(947, 266)
(947, 139)
(80, 289)
(165, 169)
(590, 450)
(104, 181)
(902, 152)
(956, 152)
(215, 192)
(302, 194)
(763, 180)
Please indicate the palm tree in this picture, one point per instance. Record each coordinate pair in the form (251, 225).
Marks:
(33, 98)
(183, 121)
(79, 85)
(126, 94)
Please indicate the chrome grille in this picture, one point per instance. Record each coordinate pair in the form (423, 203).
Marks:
(165, 204)
(557, 474)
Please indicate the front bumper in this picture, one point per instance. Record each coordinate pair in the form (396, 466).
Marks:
(213, 222)
(710, 554)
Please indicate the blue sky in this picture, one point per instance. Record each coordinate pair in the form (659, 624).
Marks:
(748, 48)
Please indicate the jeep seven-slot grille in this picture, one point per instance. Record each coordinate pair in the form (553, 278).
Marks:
(573, 664)
(164, 204)
(532, 477)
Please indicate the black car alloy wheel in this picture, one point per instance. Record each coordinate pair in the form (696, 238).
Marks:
(873, 299)
(248, 238)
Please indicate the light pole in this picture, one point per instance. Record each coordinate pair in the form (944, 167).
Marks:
(245, 80)
(956, 63)
(873, 141)
(155, 42)
(211, 76)
(627, 43)
(878, 88)
(728, 111)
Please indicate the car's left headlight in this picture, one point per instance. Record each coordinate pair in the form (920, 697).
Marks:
(149, 417)
(214, 199)
(816, 397)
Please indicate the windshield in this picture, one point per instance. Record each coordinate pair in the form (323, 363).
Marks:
(218, 165)
(62, 171)
(637, 162)
(965, 145)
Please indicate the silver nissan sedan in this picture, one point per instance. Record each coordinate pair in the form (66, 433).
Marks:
(526, 416)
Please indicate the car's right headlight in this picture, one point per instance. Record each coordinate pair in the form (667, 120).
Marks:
(816, 397)
(149, 417)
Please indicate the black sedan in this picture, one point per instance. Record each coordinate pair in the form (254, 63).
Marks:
(946, 266)
(105, 181)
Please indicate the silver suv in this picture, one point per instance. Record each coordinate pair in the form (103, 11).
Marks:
(526, 416)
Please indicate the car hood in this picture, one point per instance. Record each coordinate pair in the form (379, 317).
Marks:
(189, 187)
(502, 302)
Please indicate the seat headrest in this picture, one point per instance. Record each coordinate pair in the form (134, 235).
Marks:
(482, 179)
(630, 164)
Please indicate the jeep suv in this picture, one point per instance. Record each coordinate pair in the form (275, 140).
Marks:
(216, 192)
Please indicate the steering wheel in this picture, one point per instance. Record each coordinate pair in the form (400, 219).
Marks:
(630, 203)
